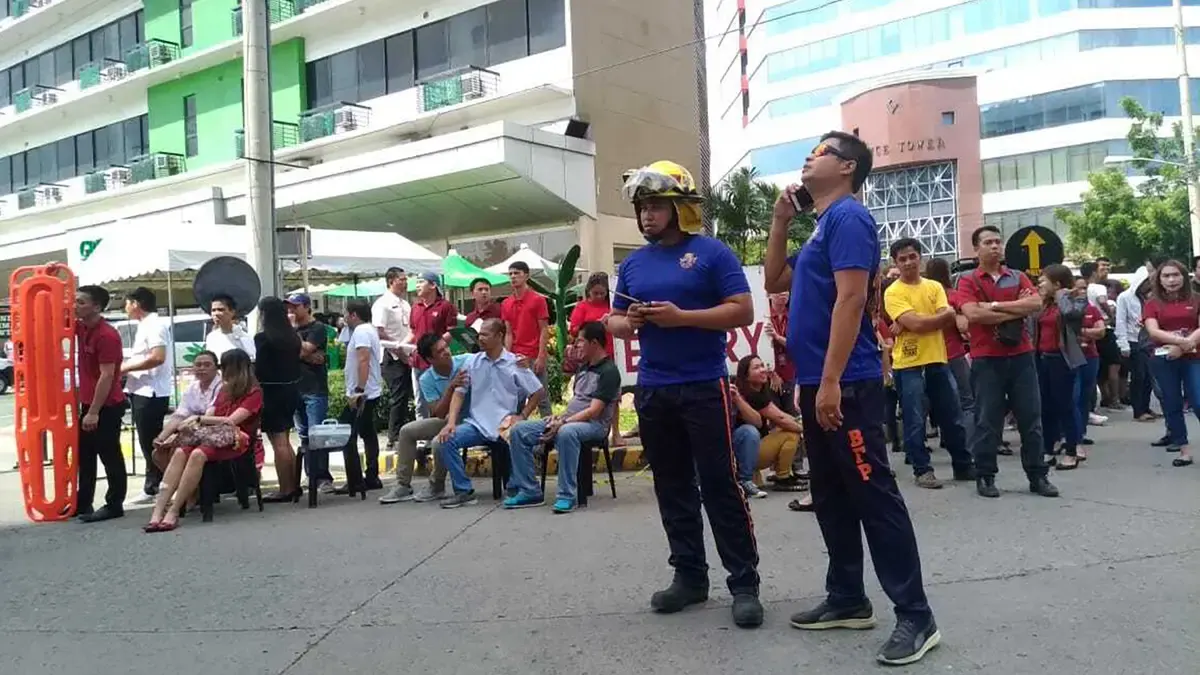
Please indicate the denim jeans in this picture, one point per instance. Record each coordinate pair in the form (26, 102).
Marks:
(1177, 378)
(1060, 396)
(746, 440)
(568, 442)
(936, 382)
(465, 436)
(961, 368)
(312, 411)
(1084, 394)
(1002, 383)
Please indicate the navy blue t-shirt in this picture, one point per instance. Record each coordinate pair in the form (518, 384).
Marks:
(697, 273)
(845, 238)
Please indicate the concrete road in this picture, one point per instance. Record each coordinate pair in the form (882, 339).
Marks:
(1102, 580)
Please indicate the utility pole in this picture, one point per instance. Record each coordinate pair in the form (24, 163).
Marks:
(1189, 133)
(700, 56)
(259, 152)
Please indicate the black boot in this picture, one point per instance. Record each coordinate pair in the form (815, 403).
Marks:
(986, 486)
(1041, 485)
(677, 597)
(747, 610)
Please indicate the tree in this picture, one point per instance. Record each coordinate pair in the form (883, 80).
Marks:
(1127, 224)
(742, 207)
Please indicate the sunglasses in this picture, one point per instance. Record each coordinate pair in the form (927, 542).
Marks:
(825, 148)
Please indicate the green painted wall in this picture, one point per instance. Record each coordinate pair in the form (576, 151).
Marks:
(218, 92)
(212, 22)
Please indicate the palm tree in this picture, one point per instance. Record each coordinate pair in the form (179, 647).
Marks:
(742, 206)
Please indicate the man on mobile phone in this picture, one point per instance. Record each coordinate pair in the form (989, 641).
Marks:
(839, 376)
(696, 292)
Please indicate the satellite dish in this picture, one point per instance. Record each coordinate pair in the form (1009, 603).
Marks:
(227, 275)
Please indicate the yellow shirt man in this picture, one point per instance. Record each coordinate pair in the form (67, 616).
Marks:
(925, 298)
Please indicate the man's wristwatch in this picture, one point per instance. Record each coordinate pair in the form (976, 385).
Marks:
(359, 390)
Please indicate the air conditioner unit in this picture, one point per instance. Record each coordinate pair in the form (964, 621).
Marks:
(51, 194)
(165, 164)
(159, 54)
(344, 120)
(117, 176)
(472, 86)
(115, 71)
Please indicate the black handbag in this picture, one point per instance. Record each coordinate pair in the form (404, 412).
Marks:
(1008, 333)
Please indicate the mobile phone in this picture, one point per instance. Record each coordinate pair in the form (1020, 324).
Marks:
(801, 199)
(1162, 351)
(628, 297)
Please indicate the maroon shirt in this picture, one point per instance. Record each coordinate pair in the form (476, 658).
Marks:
(492, 311)
(980, 287)
(437, 317)
(1176, 316)
(99, 344)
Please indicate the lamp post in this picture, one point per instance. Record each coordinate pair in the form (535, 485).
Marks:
(1189, 133)
(1193, 189)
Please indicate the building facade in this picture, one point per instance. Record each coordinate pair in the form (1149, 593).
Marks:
(468, 124)
(979, 111)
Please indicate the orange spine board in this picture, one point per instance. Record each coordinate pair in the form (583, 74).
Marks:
(43, 335)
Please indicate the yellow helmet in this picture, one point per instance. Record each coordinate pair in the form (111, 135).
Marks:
(667, 179)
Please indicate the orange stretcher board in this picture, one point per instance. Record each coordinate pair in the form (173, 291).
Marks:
(43, 337)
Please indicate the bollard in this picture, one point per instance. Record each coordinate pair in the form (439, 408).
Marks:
(43, 337)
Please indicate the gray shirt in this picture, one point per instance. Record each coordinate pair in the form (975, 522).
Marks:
(599, 382)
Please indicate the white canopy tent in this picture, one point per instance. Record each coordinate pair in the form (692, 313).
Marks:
(526, 255)
(127, 252)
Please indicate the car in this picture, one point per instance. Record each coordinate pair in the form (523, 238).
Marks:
(188, 335)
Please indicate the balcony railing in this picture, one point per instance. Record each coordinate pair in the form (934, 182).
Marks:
(37, 96)
(335, 118)
(43, 194)
(21, 7)
(277, 11)
(150, 54)
(99, 72)
(104, 180)
(302, 5)
(156, 165)
(469, 83)
(283, 135)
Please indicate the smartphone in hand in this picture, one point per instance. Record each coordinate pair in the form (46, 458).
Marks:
(801, 199)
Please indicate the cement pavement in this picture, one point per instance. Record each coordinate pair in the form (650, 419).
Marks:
(1101, 581)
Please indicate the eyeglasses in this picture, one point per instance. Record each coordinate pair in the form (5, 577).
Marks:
(825, 148)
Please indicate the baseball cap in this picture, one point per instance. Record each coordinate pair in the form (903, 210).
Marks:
(432, 278)
(299, 299)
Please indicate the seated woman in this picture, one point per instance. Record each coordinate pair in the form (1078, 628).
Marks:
(766, 436)
(197, 399)
(238, 408)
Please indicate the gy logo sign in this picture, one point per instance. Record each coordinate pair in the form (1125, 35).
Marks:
(87, 248)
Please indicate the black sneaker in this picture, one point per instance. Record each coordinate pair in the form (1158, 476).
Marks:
(825, 617)
(747, 611)
(103, 513)
(1162, 442)
(1005, 449)
(910, 641)
(986, 487)
(1042, 486)
(678, 596)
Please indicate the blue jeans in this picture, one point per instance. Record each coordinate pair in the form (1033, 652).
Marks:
(1177, 378)
(568, 442)
(1085, 387)
(746, 442)
(312, 411)
(1060, 410)
(465, 436)
(935, 381)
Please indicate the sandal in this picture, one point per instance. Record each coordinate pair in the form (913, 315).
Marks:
(795, 505)
(1067, 462)
(1181, 461)
(152, 526)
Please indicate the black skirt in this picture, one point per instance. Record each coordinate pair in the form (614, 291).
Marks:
(280, 402)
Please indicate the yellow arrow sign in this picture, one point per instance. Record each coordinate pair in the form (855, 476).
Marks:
(1033, 243)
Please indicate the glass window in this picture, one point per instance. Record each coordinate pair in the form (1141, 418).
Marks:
(127, 29)
(144, 124)
(468, 39)
(991, 176)
(133, 133)
(1024, 172)
(97, 40)
(507, 34)
(64, 70)
(47, 160)
(85, 152)
(134, 146)
(343, 68)
(5, 175)
(81, 51)
(547, 25)
(18, 171)
(433, 50)
(372, 73)
(399, 62)
(100, 139)
(112, 41)
(46, 69)
(5, 90)
(1096, 155)
(1059, 166)
(1008, 173)
(32, 76)
(64, 153)
(116, 144)
(186, 33)
(1043, 174)
(1078, 158)
(320, 83)
(140, 21)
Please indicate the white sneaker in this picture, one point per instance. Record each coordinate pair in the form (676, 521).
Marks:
(1097, 420)
(753, 491)
(142, 499)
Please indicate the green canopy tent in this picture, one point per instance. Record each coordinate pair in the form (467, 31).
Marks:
(457, 272)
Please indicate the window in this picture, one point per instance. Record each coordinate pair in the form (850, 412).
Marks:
(320, 83)
(918, 202)
(400, 75)
(1024, 172)
(64, 151)
(64, 70)
(344, 70)
(186, 37)
(18, 171)
(547, 25)
(782, 158)
(372, 71)
(135, 145)
(433, 50)
(190, 139)
(85, 152)
(507, 33)
(112, 42)
(127, 29)
(1049, 167)
(81, 50)
(948, 118)
(5, 175)
(5, 90)
(468, 39)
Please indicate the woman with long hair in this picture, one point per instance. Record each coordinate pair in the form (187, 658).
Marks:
(225, 431)
(596, 305)
(766, 436)
(1170, 317)
(1094, 329)
(277, 367)
(1059, 356)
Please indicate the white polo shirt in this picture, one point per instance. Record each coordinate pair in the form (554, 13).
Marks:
(152, 331)
(364, 336)
(219, 342)
(392, 313)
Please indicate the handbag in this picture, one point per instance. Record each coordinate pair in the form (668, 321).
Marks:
(1008, 333)
(212, 436)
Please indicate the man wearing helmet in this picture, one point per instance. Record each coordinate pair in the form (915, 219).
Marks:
(690, 290)
(839, 378)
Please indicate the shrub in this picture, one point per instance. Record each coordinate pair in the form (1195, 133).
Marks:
(337, 400)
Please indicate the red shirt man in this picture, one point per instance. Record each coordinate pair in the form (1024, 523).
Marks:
(98, 344)
(980, 287)
(431, 313)
(481, 290)
(525, 315)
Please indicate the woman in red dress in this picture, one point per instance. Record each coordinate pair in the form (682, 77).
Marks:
(596, 305)
(239, 405)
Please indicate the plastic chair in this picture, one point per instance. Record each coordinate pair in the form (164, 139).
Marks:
(238, 475)
(584, 475)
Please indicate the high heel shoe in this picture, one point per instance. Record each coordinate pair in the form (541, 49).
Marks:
(281, 497)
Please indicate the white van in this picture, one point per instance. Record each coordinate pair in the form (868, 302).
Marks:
(188, 335)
